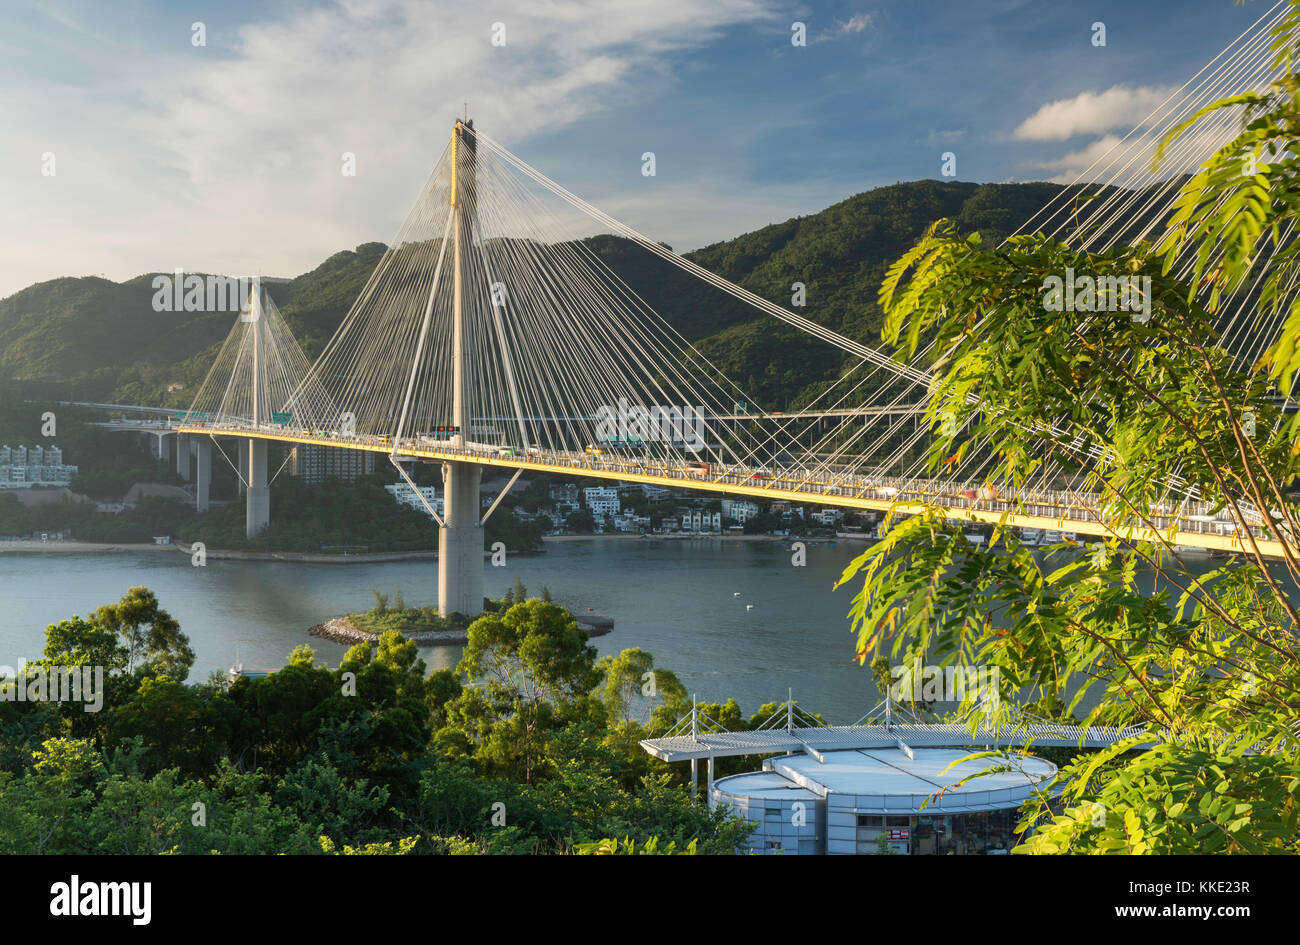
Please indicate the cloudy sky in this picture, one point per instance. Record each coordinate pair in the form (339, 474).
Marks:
(225, 156)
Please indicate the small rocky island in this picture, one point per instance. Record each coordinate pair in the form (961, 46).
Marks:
(424, 626)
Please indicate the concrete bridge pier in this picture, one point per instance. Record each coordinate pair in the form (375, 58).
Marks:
(183, 456)
(460, 541)
(258, 497)
(202, 474)
(242, 448)
(164, 447)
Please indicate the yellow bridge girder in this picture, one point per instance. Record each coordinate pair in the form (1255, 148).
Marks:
(643, 473)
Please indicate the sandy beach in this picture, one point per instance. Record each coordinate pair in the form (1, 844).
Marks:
(29, 546)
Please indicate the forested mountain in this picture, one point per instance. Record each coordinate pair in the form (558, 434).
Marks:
(90, 338)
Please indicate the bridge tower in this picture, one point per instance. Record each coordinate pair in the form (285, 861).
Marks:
(257, 497)
(460, 538)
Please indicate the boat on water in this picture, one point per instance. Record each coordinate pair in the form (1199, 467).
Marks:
(237, 671)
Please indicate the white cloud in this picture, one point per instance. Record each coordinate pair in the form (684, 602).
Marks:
(1112, 159)
(1070, 165)
(1119, 107)
(227, 158)
(857, 23)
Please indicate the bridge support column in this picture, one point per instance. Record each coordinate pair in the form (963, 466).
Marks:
(164, 447)
(242, 448)
(183, 456)
(460, 541)
(202, 474)
(258, 498)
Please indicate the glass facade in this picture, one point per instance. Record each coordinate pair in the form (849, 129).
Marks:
(977, 833)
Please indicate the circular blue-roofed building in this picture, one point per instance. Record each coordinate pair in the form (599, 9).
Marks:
(878, 800)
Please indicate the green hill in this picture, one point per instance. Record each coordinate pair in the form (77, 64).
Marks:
(90, 338)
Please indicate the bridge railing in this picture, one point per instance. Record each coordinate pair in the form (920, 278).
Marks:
(1062, 506)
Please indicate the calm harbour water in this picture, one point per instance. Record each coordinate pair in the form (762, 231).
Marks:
(672, 598)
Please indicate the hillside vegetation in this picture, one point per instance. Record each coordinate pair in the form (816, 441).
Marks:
(90, 338)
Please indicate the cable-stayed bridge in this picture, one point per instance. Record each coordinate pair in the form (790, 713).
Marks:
(493, 333)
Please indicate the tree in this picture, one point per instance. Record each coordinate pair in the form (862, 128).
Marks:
(533, 661)
(534, 651)
(631, 678)
(1208, 665)
(149, 633)
(581, 521)
(77, 642)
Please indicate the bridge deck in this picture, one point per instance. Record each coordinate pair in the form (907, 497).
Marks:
(855, 492)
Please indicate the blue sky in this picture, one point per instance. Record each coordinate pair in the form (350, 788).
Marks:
(225, 157)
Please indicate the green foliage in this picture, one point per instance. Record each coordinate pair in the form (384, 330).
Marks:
(409, 620)
(581, 522)
(82, 336)
(1233, 218)
(629, 847)
(378, 757)
(1208, 665)
(149, 633)
(404, 846)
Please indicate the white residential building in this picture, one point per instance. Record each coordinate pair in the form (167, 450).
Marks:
(698, 520)
(564, 499)
(629, 521)
(565, 493)
(404, 496)
(827, 516)
(21, 468)
(739, 509)
(602, 500)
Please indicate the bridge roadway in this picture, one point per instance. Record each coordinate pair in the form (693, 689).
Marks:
(1055, 511)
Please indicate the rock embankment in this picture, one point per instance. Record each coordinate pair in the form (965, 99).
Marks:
(342, 630)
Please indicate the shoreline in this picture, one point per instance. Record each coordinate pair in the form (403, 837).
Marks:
(28, 546)
(36, 546)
